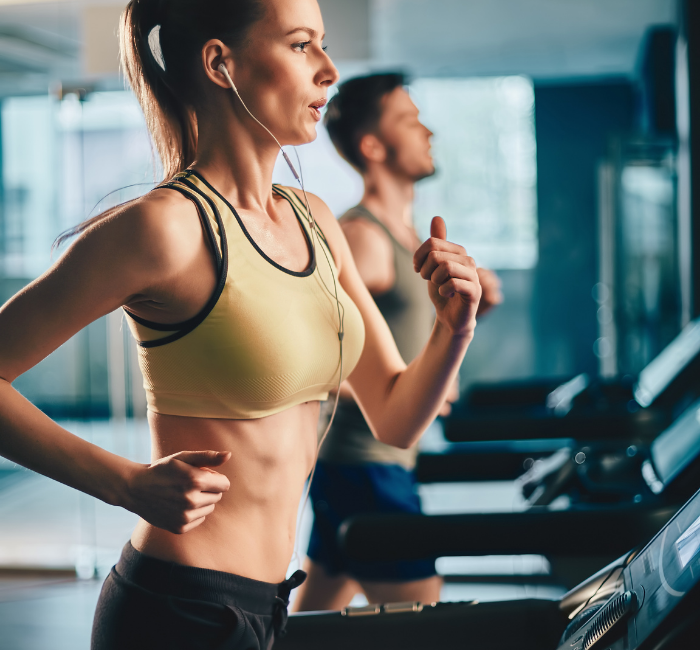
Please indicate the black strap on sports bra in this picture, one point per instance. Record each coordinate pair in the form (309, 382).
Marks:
(185, 327)
(295, 202)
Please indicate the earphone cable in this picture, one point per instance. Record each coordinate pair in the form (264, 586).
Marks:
(341, 334)
(315, 236)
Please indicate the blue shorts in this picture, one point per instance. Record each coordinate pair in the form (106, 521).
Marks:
(342, 491)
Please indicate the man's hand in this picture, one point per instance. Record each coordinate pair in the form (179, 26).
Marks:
(491, 295)
(451, 398)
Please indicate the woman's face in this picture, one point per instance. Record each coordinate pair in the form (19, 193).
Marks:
(283, 73)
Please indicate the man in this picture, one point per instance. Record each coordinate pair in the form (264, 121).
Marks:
(374, 125)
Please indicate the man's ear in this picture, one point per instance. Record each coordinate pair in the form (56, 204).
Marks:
(372, 148)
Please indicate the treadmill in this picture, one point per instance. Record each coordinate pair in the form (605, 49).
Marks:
(668, 468)
(586, 409)
(645, 600)
(659, 478)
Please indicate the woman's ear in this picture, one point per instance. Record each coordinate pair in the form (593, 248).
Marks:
(214, 53)
(372, 148)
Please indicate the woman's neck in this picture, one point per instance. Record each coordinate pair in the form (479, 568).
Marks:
(238, 160)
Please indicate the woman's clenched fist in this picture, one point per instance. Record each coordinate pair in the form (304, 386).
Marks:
(453, 281)
(178, 492)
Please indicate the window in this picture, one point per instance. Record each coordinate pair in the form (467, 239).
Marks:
(485, 154)
(59, 159)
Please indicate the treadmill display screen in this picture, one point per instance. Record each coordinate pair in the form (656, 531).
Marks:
(688, 544)
(662, 575)
(676, 447)
(657, 376)
(665, 571)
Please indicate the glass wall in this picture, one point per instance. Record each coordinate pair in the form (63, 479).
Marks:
(484, 147)
(639, 293)
(62, 162)
(60, 159)
(649, 315)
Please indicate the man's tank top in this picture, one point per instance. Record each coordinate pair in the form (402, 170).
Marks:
(410, 315)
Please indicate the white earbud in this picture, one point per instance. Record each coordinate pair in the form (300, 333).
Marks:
(224, 71)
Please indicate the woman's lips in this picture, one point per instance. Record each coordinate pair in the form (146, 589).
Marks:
(316, 108)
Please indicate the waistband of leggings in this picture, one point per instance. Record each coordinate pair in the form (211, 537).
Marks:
(181, 581)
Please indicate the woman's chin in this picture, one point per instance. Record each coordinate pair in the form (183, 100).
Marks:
(310, 133)
(304, 137)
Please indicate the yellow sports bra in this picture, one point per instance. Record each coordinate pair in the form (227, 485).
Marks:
(267, 339)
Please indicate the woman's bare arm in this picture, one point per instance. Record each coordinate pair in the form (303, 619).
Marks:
(129, 258)
(399, 401)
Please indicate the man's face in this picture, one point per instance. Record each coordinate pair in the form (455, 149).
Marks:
(407, 140)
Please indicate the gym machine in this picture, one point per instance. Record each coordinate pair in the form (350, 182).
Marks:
(585, 409)
(646, 600)
(657, 480)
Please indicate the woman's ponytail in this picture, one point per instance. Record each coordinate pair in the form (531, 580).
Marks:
(162, 78)
(172, 124)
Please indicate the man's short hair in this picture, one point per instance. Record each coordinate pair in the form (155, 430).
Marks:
(355, 110)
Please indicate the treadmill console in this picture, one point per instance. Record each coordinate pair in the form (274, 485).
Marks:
(674, 451)
(658, 375)
(659, 587)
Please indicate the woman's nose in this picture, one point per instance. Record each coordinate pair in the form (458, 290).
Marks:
(329, 73)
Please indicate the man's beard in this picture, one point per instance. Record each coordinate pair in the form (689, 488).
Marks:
(429, 174)
(392, 162)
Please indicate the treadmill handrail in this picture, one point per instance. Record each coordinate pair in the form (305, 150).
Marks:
(576, 531)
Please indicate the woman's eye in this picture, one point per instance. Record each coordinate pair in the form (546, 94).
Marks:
(301, 46)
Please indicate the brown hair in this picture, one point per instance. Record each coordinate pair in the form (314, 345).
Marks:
(355, 110)
(163, 81)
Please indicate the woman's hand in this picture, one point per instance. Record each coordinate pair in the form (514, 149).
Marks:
(178, 492)
(453, 283)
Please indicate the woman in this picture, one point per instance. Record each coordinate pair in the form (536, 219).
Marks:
(235, 312)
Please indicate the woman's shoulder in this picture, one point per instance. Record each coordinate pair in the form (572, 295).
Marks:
(156, 213)
(160, 212)
(155, 231)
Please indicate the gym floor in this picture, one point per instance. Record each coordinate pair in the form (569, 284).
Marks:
(40, 612)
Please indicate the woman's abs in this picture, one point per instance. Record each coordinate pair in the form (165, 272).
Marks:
(251, 531)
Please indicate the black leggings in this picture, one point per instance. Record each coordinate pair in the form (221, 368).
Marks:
(151, 604)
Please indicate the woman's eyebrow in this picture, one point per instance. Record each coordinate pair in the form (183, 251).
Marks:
(310, 31)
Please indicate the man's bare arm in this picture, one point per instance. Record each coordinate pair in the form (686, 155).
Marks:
(373, 255)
